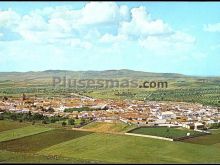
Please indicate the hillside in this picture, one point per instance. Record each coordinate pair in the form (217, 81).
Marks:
(123, 73)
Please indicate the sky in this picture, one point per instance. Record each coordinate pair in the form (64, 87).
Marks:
(166, 37)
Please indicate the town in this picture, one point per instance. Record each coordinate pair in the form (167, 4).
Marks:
(140, 113)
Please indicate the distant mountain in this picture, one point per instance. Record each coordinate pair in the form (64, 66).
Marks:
(45, 78)
(106, 74)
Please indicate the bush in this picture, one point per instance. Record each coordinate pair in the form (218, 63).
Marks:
(13, 116)
(78, 109)
(37, 116)
(83, 121)
(44, 122)
(1, 117)
(71, 122)
(214, 126)
(53, 120)
(63, 123)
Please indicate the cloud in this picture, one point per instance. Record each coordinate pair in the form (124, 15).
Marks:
(212, 27)
(103, 13)
(79, 43)
(153, 34)
(57, 24)
(176, 42)
(141, 24)
(109, 38)
(9, 18)
(95, 23)
(8, 21)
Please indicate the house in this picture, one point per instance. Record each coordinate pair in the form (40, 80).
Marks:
(194, 126)
(198, 126)
(160, 121)
(167, 115)
(62, 108)
(212, 122)
(189, 126)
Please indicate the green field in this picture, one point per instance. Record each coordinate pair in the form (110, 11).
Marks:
(204, 94)
(21, 132)
(213, 139)
(108, 127)
(6, 125)
(15, 157)
(71, 146)
(130, 149)
(164, 132)
(40, 141)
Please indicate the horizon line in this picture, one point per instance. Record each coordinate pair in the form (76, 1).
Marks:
(110, 70)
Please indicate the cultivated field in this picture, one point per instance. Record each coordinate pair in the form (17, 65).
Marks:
(130, 149)
(71, 146)
(5, 125)
(40, 141)
(213, 139)
(17, 157)
(21, 132)
(108, 127)
(164, 132)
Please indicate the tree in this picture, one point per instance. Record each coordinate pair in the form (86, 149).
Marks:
(50, 109)
(71, 122)
(83, 121)
(63, 123)
(4, 98)
(24, 117)
(44, 122)
(13, 116)
(53, 120)
(29, 113)
(23, 97)
(37, 116)
(1, 117)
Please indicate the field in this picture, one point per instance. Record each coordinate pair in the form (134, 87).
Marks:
(71, 146)
(39, 141)
(213, 139)
(21, 132)
(16, 157)
(207, 95)
(129, 149)
(164, 132)
(5, 125)
(22, 142)
(108, 127)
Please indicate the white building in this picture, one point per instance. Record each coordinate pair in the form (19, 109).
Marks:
(198, 126)
(167, 115)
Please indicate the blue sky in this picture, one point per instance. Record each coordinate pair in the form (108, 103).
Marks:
(174, 37)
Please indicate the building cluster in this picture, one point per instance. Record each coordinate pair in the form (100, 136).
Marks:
(187, 115)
